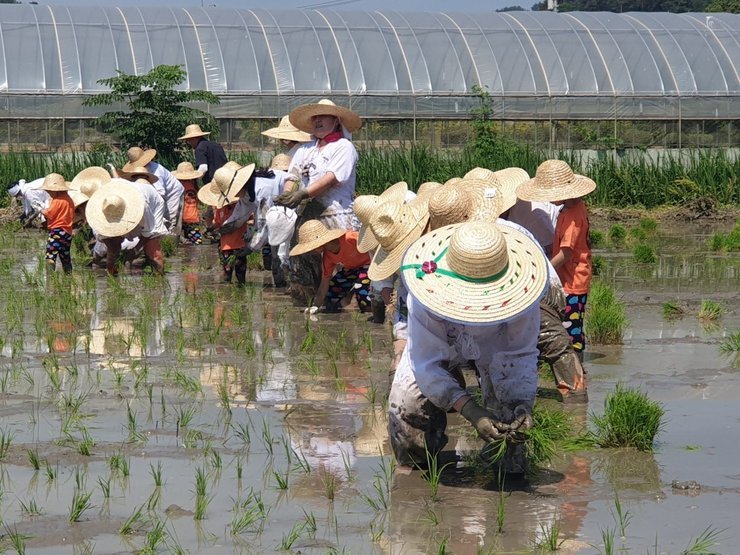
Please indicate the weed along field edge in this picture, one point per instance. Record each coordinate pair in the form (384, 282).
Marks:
(181, 414)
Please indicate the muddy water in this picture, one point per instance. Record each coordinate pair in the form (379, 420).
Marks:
(237, 385)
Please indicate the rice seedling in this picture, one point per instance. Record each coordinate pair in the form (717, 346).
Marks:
(241, 431)
(280, 480)
(223, 394)
(606, 317)
(295, 532)
(244, 519)
(432, 474)
(104, 486)
(347, 462)
(621, 516)
(648, 225)
(185, 415)
(153, 501)
(134, 522)
(33, 458)
(617, 234)
(267, 438)
(597, 265)
(710, 310)
(156, 472)
(215, 459)
(85, 445)
(50, 472)
(442, 546)
(302, 462)
(169, 245)
(673, 310)
(644, 254)
(703, 544)
(731, 343)
(595, 238)
(638, 235)
(31, 508)
(330, 484)
(6, 438)
(376, 532)
(16, 539)
(549, 535)
(154, 538)
(80, 504)
(201, 506)
(201, 482)
(630, 419)
(187, 383)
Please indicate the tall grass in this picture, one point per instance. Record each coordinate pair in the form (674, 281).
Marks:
(630, 419)
(606, 317)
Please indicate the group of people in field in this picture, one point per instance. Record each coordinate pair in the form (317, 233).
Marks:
(489, 271)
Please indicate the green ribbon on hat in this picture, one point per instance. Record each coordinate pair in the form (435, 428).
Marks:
(431, 267)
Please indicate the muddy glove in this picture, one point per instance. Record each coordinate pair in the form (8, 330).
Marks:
(483, 421)
(292, 199)
(521, 423)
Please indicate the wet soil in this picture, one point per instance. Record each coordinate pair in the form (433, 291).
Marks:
(197, 377)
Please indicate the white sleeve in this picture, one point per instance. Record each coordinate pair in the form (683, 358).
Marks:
(427, 350)
(203, 168)
(342, 160)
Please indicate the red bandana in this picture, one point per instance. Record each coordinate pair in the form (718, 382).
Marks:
(332, 137)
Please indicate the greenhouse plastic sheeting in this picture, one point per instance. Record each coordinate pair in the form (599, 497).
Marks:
(536, 65)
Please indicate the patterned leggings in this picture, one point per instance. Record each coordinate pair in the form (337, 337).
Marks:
(234, 261)
(345, 282)
(575, 310)
(59, 243)
(192, 234)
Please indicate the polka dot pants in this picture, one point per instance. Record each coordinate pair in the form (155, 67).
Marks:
(346, 282)
(59, 244)
(575, 310)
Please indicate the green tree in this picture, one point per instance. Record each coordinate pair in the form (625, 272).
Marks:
(156, 112)
(730, 6)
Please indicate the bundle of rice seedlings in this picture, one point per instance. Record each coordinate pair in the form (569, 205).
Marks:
(630, 419)
(606, 317)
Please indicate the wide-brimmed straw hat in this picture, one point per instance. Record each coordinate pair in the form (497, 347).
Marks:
(280, 222)
(288, 131)
(313, 234)
(138, 172)
(364, 207)
(85, 183)
(450, 204)
(395, 226)
(475, 273)
(193, 130)
(228, 181)
(555, 181)
(138, 157)
(115, 209)
(487, 198)
(280, 162)
(55, 182)
(185, 170)
(301, 116)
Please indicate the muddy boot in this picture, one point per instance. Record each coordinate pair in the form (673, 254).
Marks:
(569, 378)
(377, 307)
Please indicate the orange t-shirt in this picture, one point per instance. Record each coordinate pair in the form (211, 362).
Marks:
(571, 231)
(190, 213)
(233, 239)
(60, 214)
(348, 255)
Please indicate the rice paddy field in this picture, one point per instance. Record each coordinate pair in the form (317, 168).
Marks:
(183, 415)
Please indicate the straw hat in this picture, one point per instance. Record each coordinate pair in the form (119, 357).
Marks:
(286, 130)
(85, 183)
(138, 172)
(452, 180)
(280, 162)
(509, 180)
(450, 204)
(395, 226)
(555, 181)
(301, 116)
(364, 207)
(228, 181)
(313, 234)
(193, 130)
(115, 209)
(487, 198)
(138, 157)
(280, 222)
(185, 170)
(55, 182)
(475, 272)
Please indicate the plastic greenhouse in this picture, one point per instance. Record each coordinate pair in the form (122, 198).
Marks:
(570, 79)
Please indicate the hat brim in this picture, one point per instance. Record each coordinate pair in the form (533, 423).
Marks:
(149, 155)
(510, 179)
(301, 116)
(208, 197)
(386, 263)
(77, 197)
(194, 135)
(195, 174)
(150, 177)
(287, 134)
(366, 241)
(532, 190)
(240, 179)
(474, 303)
(330, 235)
(132, 215)
(94, 175)
(65, 186)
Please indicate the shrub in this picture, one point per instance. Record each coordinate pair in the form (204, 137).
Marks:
(644, 254)
(606, 319)
(617, 234)
(630, 419)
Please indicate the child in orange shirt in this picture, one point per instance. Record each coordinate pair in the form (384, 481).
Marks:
(344, 268)
(189, 176)
(59, 218)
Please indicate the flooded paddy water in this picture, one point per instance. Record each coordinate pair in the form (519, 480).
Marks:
(184, 415)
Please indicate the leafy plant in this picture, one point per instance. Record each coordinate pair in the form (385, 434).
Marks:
(606, 317)
(630, 419)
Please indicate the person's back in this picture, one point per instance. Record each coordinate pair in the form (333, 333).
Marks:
(571, 232)
(210, 154)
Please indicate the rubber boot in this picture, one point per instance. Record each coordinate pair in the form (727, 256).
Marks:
(377, 307)
(569, 378)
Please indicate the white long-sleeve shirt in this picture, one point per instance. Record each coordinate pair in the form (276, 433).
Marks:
(171, 190)
(152, 224)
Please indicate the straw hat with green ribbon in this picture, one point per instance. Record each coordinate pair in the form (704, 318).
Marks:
(475, 273)
(555, 181)
(228, 181)
(395, 225)
(450, 204)
(312, 235)
(288, 131)
(364, 207)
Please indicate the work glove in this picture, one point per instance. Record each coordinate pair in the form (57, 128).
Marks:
(311, 310)
(484, 422)
(292, 199)
(521, 423)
